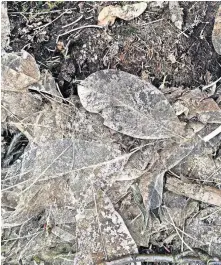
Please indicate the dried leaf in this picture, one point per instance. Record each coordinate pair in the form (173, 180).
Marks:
(5, 30)
(195, 103)
(176, 14)
(47, 85)
(37, 199)
(205, 224)
(109, 236)
(216, 34)
(129, 105)
(108, 14)
(151, 183)
(77, 162)
(197, 192)
(19, 70)
(20, 105)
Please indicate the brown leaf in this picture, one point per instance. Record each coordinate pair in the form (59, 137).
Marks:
(108, 14)
(197, 104)
(19, 70)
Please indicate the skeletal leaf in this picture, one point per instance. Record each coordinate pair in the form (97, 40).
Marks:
(37, 199)
(129, 105)
(109, 236)
(76, 162)
(108, 14)
(216, 35)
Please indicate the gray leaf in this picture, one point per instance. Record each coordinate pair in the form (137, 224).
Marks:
(109, 236)
(129, 105)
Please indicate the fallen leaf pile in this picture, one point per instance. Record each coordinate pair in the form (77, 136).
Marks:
(94, 171)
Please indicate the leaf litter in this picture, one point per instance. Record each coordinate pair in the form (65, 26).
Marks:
(89, 187)
(108, 14)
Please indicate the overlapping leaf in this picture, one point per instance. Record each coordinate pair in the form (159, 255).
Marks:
(129, 105)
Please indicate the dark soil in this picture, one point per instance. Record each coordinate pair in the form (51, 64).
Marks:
(140, 46)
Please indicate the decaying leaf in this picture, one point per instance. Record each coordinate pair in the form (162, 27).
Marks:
(151, 183)
(176, 14)
(77, 162)
(195, 103)
(37, 199)
(5, 29)
(216, 35)
(19, 105)
(109, 236)
(19, 70)
(108, 14)
(129, 105)
(206, 225)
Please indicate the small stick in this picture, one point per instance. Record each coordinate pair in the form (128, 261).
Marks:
(197, 192)
(213, 134)
(211, 84)
(155, 258)
(82, 27)
(72, 23)
(49, 23)
(151, 22)
(42, 13)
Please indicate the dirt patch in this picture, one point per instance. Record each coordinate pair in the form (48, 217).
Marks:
(149, 45)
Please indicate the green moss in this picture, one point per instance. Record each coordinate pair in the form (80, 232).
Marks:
(36, 259)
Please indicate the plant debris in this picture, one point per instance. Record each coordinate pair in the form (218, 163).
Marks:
(176, 14)
(99, 165)
(134, 105)
(108, 14)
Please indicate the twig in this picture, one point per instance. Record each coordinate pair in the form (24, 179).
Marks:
(197, 192)
(72, 23)
(155, 258)
(151, 22)
(42, 13)
(49, 23)
(211, 84)
(213, 134)
(175, 227)
(79, 28)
